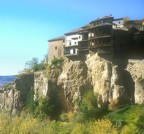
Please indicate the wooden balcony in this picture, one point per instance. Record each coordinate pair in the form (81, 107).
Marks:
(100, 36)
(99, 45)
(68, 54)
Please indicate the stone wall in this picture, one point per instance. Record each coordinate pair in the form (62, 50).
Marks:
(55, 49)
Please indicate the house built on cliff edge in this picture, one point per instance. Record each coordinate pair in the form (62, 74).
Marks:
(109, 37)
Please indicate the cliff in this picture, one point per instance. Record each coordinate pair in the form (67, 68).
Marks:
(114, 83)
(6, 79)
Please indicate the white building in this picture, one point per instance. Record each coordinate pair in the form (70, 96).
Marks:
(71, 43)
(119, 23)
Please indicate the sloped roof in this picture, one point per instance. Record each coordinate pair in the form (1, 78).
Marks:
(58, 38)
(78, 30)
(74, 31)
(100, 25)
(105, 17)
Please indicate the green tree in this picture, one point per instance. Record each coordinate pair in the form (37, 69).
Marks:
(32, 64)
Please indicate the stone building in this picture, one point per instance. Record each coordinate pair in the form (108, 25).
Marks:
(55, 48)
(109, 37)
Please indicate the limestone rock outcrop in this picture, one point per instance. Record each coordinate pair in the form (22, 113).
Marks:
(75, 81)
(136, 69)
(14, 95)
(113, 82)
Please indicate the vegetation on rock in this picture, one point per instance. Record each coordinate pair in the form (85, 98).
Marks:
(124, 120)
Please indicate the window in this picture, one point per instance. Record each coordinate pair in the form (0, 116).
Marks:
(75, 43)
(79, 37)
(55, 47)
(74, 51)
(70, 43)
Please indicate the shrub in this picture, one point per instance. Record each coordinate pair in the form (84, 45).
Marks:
(57, 62)
(64, 117)
(57, 127)
(44, 108)
(22, 124)
(79, 128)
(89, 107)
(140, 123)
(128, 119)
(101, 127)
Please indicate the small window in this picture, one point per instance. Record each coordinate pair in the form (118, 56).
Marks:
(74, 51)
(119, 22)
(55, 47)
(75, 43)
(79, 37)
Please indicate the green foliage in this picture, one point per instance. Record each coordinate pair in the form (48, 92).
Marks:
(128, 119)
(32, 64)
(57, 62)
(44, 108)
(35, 65)
(79, 128)
(22, 124)
(101, 127)
(57, 127)
(133, 116)
(140, 123)
(64, 117)
(30, 105)
(7, 86)
(89, 107)
(48, 107)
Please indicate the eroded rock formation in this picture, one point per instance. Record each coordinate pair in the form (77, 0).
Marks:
(120, 82)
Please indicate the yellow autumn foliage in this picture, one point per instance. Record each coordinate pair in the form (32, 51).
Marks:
(103, 126)
(23, 124)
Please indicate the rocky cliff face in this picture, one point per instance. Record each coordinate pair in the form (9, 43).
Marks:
(14, 95)
(112, 83)
(136, 69)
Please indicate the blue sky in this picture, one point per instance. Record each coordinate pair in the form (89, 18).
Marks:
(26, 25)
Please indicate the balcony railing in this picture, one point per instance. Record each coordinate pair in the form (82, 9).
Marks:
(97, 45)
(67, 54)
(100, 36)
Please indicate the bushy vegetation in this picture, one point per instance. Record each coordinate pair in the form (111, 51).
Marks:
(22, 124)
(89, 107)
(89, 119)
(128, 119)
(42, 108)
(57, 62)
(35, 65)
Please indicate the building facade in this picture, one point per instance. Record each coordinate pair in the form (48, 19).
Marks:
(120, 22)
(55, 48)
(109, 37)
(71, 43)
